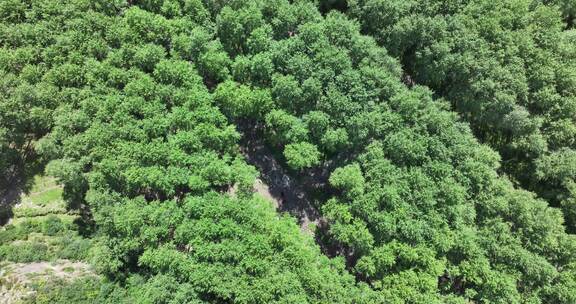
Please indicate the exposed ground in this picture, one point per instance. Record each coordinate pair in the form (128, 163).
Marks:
(275, 183)
(17, 280)
(44, 200)
(294, 193)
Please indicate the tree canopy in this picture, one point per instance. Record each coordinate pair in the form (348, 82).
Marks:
(429, 129)
(507, 67)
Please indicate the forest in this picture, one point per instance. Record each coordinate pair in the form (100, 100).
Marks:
(288, 151)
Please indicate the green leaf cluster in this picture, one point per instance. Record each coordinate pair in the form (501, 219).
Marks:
(135, 106)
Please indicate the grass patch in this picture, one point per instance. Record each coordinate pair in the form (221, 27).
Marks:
(42, 230)
(45, 191)
(42, 183)
(24, 252)
(44, 238)
(46, 197)
(30, 210)
(67, 219)
(54, 291)
(44, 248)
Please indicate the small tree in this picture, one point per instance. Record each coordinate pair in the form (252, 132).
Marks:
(302, 155)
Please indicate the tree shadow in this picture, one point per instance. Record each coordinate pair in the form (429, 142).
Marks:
(289, 194)
(13, 184)
(297, 193)
(17, 179)
(326, 6)
(8, 199)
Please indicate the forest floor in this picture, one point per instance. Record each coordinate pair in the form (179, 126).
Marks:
(19, 280)
(297, 194)
(287, 193)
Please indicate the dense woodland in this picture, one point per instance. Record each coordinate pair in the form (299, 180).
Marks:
(448, 130)
(507, 67)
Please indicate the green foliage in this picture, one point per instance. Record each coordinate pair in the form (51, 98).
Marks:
(568, 9)
(138, 140)
(132, 105)
(506, 67)
(52, 226)
(349, 180)
(222, 247)
(83, 290)
(239, 101)
(422, 182)
(301, 155)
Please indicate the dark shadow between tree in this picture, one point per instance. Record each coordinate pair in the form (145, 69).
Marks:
(295, 194)
(14, 182)
(290, 195)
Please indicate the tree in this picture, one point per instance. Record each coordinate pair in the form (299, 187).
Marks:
(135, 108)
(508, 88)
(348, 179)
(301, 155)
(141, 145)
